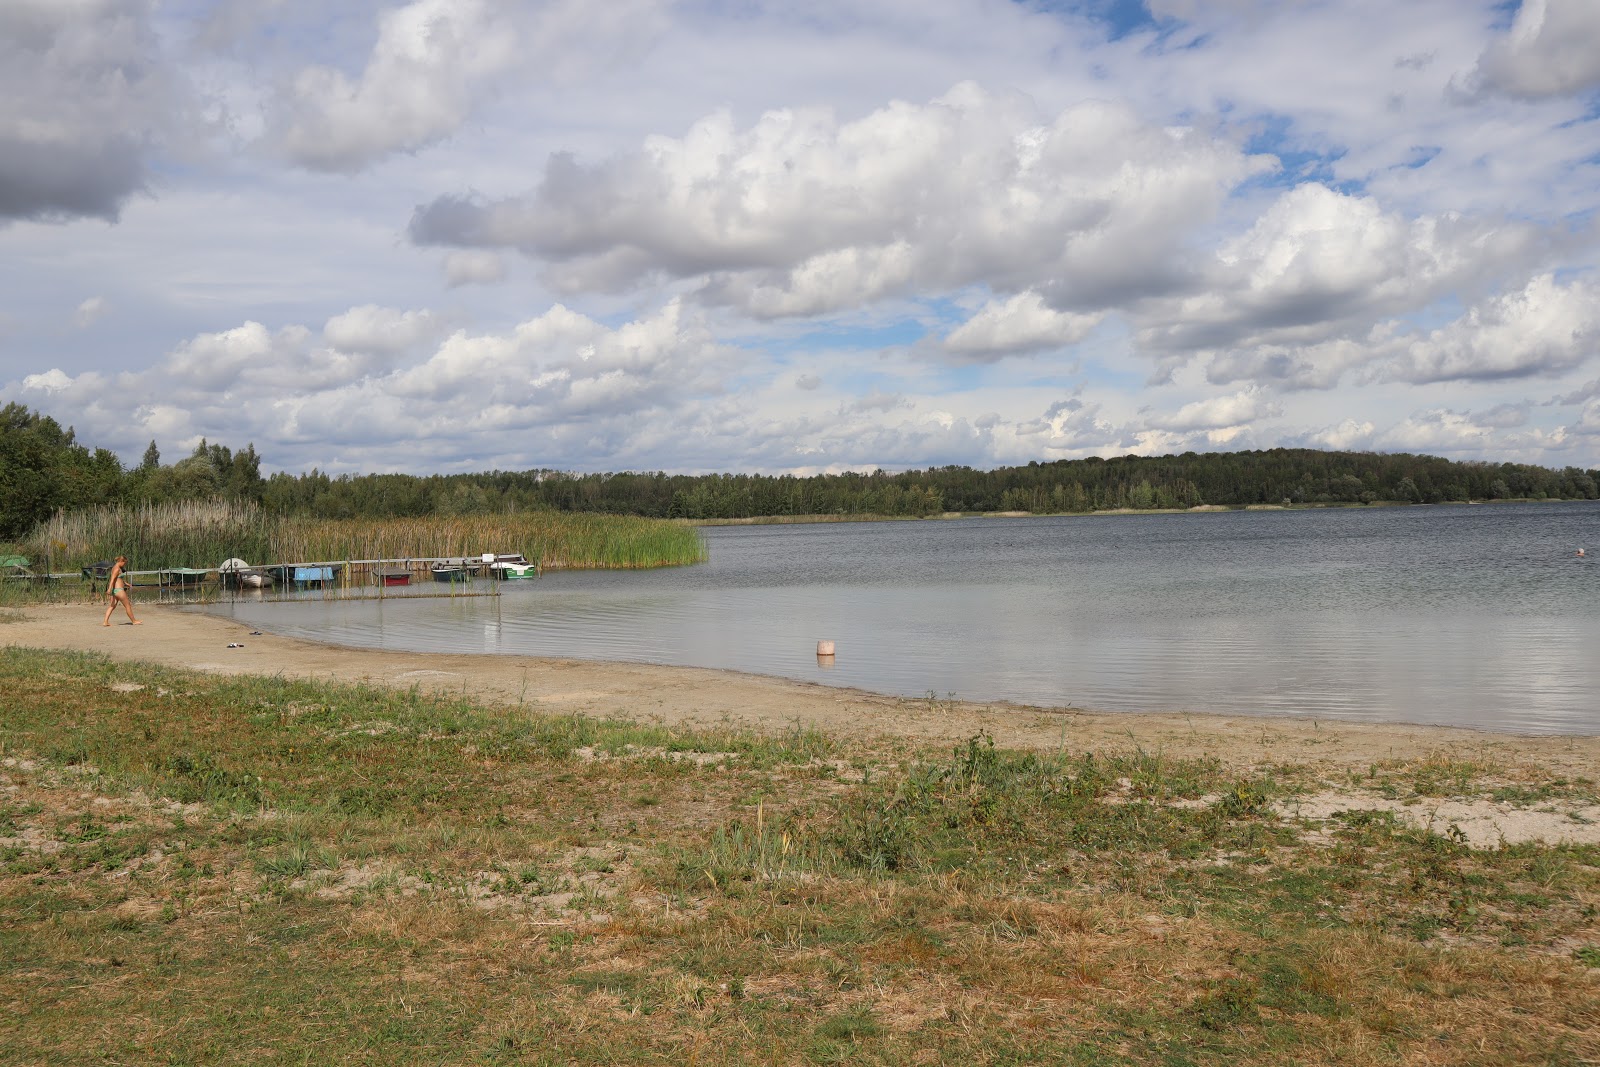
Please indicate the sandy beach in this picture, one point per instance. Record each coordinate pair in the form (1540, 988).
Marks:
(697, 697)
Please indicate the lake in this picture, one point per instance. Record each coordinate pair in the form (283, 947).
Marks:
(1462, 615)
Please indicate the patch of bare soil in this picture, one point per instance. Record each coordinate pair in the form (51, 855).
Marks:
(1484, 822)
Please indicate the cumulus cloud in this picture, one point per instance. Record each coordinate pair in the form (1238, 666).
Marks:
(1071, 427)
(1543, 329)
(358, 385)
(85, 96)
(429, 60)
(1216, 413)
(1318, 262)
(434, 62)
(53, 380)
(1019, 325)
(1353, 435)
(1552, 49)
(801, 214)
(370, 328)
(1435, 431)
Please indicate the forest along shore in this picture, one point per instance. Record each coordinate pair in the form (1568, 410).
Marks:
(698, 698)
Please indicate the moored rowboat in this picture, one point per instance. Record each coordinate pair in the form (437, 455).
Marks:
(182, 577)
(449, 572)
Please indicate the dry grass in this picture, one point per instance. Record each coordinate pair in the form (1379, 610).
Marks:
(234, 870)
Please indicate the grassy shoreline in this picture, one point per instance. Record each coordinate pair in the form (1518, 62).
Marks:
(210, 869)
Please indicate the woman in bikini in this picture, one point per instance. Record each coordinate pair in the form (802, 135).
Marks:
(117, 588)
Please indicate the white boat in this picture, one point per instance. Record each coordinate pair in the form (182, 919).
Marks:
(237, 574)
(509, 565)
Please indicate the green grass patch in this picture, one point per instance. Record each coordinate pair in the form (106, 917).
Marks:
(257, 870)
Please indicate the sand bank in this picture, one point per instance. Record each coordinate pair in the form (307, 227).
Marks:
(693, 696)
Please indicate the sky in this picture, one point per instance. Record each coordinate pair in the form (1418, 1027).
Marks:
(720, 235)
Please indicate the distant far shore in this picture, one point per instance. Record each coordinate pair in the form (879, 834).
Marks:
(1337, 505)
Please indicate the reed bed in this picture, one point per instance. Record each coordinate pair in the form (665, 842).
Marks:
(557, 540)
(203, 534)
(181, 534)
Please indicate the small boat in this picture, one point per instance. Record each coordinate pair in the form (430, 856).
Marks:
(255, 580)
(506, 565)
(450, 572)
(397, 577)
(314, 576)
(18, 566)
(231, 571)
(182, 577)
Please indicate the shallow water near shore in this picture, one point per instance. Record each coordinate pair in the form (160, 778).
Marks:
(1477, 616)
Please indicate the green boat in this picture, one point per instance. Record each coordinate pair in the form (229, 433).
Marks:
(182, 577)
(508, 566)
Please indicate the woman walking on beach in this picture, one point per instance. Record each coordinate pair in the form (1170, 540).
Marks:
(117, 588)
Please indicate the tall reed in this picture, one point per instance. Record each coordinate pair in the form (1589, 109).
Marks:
(180, 534)
(203, 534)
(555, 539)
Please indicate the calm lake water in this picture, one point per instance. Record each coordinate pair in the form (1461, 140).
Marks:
(1463, 615)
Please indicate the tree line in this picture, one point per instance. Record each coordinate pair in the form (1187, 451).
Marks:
(43, 468)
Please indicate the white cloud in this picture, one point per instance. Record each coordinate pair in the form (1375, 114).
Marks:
(747, 229)
(801, 214)
(559, 373)
(1436, 431)
(1347, 435)
(430, 59)
(1541, 330)
(433, 65)
(370, 328)
(51, 381)
(1216, 413)
(1018, 325)
(1318, 262)
(1552, 49)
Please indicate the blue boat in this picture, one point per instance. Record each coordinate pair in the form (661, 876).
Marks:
(315, 576)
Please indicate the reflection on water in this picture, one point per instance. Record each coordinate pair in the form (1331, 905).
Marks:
(1478, 616)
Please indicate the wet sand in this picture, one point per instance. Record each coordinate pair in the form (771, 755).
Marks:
(698, 697)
